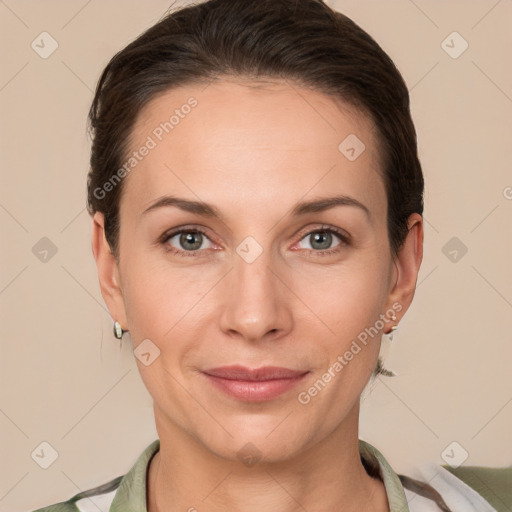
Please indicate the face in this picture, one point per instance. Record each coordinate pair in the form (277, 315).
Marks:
(272, 252)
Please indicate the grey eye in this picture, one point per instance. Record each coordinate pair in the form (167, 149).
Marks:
(321, 239)
(189, 240)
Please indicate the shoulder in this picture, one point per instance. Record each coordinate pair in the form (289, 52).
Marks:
(494, 484)
(103, 496)
(63, 506)
(461, 489)
(130, 487)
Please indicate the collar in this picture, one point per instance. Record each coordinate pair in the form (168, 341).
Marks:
(376, 463)
(131, 494)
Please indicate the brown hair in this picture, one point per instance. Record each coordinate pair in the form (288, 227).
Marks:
(304, 41)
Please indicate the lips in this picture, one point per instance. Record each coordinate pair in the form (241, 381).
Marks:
(254, 385)
(257, 374)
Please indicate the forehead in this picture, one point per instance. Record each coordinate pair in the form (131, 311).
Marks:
(251, 141)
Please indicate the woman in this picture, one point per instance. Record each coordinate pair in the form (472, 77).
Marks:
(257, 206)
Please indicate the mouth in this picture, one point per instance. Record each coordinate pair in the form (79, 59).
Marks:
(254, 385)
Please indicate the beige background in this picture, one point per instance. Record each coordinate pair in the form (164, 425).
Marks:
(64, 379)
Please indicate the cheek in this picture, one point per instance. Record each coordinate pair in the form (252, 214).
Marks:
(350, 306)
(148, 296)
(349, 298)
(162, 301)
(159, 307)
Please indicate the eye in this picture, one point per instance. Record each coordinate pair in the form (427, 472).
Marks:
(191, 241)
(321, 239)
(186, 242)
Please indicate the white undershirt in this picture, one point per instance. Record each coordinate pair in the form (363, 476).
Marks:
(457, 495)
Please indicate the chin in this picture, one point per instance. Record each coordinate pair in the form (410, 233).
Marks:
(254, 439)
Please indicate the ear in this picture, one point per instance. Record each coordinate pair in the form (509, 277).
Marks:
(407, 265)
(108, 271)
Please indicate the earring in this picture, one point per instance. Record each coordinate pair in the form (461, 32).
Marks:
(118, 330)
(393, 328)
(391, 332)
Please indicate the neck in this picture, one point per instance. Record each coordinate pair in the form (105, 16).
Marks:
(185, 476)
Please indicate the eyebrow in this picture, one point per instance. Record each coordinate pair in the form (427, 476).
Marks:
(303, 208)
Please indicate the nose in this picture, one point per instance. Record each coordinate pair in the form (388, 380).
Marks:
(256, 303)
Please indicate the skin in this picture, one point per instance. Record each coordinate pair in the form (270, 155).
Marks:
(254, 151)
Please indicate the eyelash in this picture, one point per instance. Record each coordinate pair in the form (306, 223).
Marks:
(345, 240)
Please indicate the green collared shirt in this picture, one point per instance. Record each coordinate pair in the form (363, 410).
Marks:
(128, 493)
